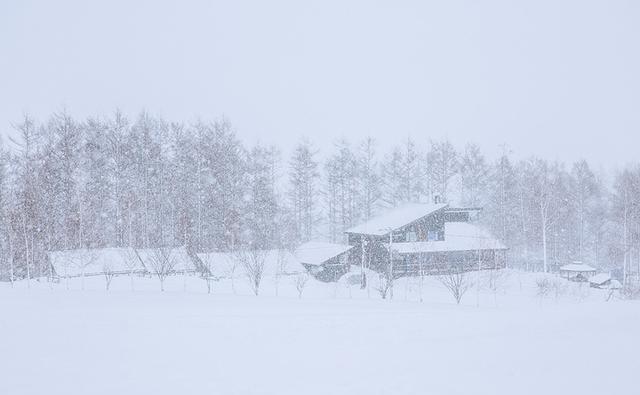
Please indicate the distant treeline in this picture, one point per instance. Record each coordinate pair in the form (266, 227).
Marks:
(146, 182)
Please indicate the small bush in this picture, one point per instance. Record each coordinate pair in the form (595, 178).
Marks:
(543, 287)
(630, 291)
(551, 286)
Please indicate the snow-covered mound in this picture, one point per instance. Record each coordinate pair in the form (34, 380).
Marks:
(334, 340)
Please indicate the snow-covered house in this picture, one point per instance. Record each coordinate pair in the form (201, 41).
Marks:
(425, 238)
(325, 261)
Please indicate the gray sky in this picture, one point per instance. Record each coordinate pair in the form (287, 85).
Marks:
(559, 79)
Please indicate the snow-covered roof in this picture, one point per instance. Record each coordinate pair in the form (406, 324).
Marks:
(615, 284)
(182, 262)
(97, 261)
(317, 252)
(577, 267)
(458, 236)
(600, 278)
(227, 264)
(396, 218)
(72, 263)
(220, 264)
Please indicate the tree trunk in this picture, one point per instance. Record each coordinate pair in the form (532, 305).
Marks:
(544, 238)
(26, 250)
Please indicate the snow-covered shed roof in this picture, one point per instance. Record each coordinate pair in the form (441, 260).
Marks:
(600, 278)
(317, 252)
(72, 263)
(396, 218)
(97, 261)
(458, 236)
(219, 264)
(227, 264)
(615, 284)
(577, 267)
(182, 262)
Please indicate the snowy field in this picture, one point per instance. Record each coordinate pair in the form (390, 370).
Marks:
(335, 340)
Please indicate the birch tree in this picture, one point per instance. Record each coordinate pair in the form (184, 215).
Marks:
(501, 212)
(342, 193)
(544, 181)
(25, 219)
(474, 177)
(442, 161)
(303, 189)
(626, 207)
(369, 177)
(583, 194)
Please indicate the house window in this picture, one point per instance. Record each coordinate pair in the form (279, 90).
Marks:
(432, 235)
(411, 237)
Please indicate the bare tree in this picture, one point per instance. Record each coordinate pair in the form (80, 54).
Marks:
(209, 279)
(26, 185)
(232, 274)
(497, 281)
(281, 263)
(403, 174)
(553, 286)
(132, 261)
(442, 161)
(303, 180)
(85, 259)
(161, 262)
(422, 270)
(456, 281)
(584, 192)
(10, 259)
(544, 181)
(204, 268)
(385, 284)
(630, 291)
(301, 282)
(342, 190)
(543, 287)
(108, 272)
(369, 177)
(474, 177)
(252, 261)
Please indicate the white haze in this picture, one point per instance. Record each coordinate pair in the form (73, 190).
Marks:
(558, 79)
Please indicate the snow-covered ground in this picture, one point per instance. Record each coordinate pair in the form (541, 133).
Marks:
(59, 339)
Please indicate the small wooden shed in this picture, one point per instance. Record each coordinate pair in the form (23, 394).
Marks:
(577, 271)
